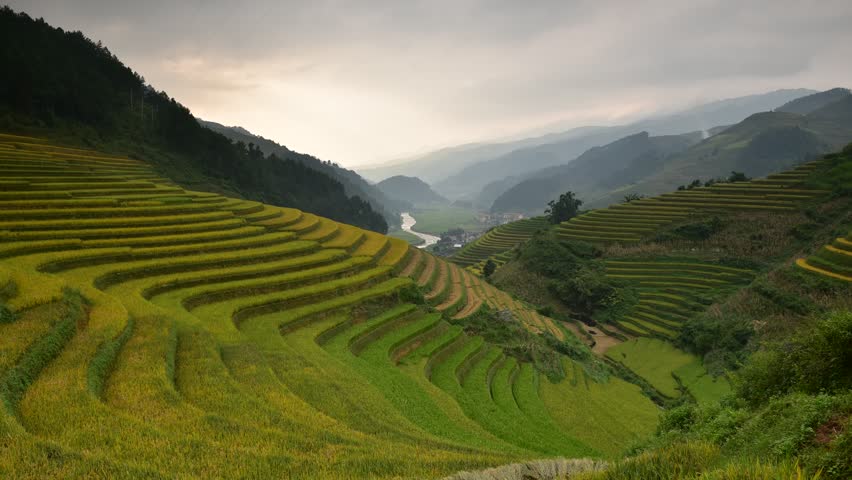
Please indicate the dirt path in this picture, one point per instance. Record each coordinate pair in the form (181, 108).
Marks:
(603, 342)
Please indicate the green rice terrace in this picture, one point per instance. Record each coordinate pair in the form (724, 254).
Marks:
(638, 219)
(680, 257)
(670, 291)
(154, 332)
(497, 242)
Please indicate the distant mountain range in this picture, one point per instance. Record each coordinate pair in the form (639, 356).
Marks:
(642, 164)
(442, 163)
(352, 183)
(447, 169)
(410, 191)
(469, 181)
(598, 169)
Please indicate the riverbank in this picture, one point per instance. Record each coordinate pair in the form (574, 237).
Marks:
(408, 221)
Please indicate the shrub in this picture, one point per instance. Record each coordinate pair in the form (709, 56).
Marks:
(6, 315)
(488, 268)
(411, 294)
(812, 361)
(698, 230)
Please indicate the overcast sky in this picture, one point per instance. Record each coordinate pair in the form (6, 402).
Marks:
(361, 82)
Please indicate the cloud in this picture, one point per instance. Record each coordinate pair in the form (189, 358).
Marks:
(361, 82)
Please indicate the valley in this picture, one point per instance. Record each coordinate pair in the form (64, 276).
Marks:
(621, 250)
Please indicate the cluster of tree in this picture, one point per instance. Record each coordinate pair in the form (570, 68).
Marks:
(353, 184)
(52, 77)
(575, 274)
(563, 209)
(733, 177)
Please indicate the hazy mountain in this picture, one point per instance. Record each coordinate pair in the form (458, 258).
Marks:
(810, 103)
(410, 190)
(598, 170)
(761, 144)
(469, 181)
(434, 166)
(352, 183)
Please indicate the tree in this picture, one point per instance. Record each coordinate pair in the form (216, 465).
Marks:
(633, 196)
(564, 209)
(489, 268)
(738, 177)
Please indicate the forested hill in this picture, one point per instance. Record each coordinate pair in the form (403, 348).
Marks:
(410, 190)
(598, 169)
(352, 183)
(63, 85)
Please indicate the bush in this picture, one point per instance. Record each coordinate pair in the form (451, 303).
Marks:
(488, 268)
(804, 231)
(411, 294)
(698, 230)
(6, 315)
(812, 361)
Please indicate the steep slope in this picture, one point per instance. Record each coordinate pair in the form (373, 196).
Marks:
(352, 183)
(63, 85)
(409, 190)
(599, 169)
(469, 181)
(811, 103)
(140, 319)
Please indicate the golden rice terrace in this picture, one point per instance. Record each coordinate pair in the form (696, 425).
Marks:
(155, 332)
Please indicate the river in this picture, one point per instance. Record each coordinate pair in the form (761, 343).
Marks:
(408, 221)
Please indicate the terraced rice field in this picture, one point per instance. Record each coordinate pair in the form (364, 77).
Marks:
(497, 241)
(671, 291)
(832, 261)
(631, 222)
(162, 333)
(668, 369)
(459, 293)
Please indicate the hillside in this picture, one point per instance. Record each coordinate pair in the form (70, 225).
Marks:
(731, 302)
(62, 85)
(523, 161)
(599, 169)
(761, 144)
(352, 183)
(409, 190)
(138, 314)
(811, 103)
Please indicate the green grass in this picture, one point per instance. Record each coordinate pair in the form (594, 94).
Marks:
(659, 362)
(605, 415)
(439, 220)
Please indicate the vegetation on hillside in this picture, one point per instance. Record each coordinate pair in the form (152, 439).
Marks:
(754, 345)
(599, 169)
(63, 85)
(353, 184)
